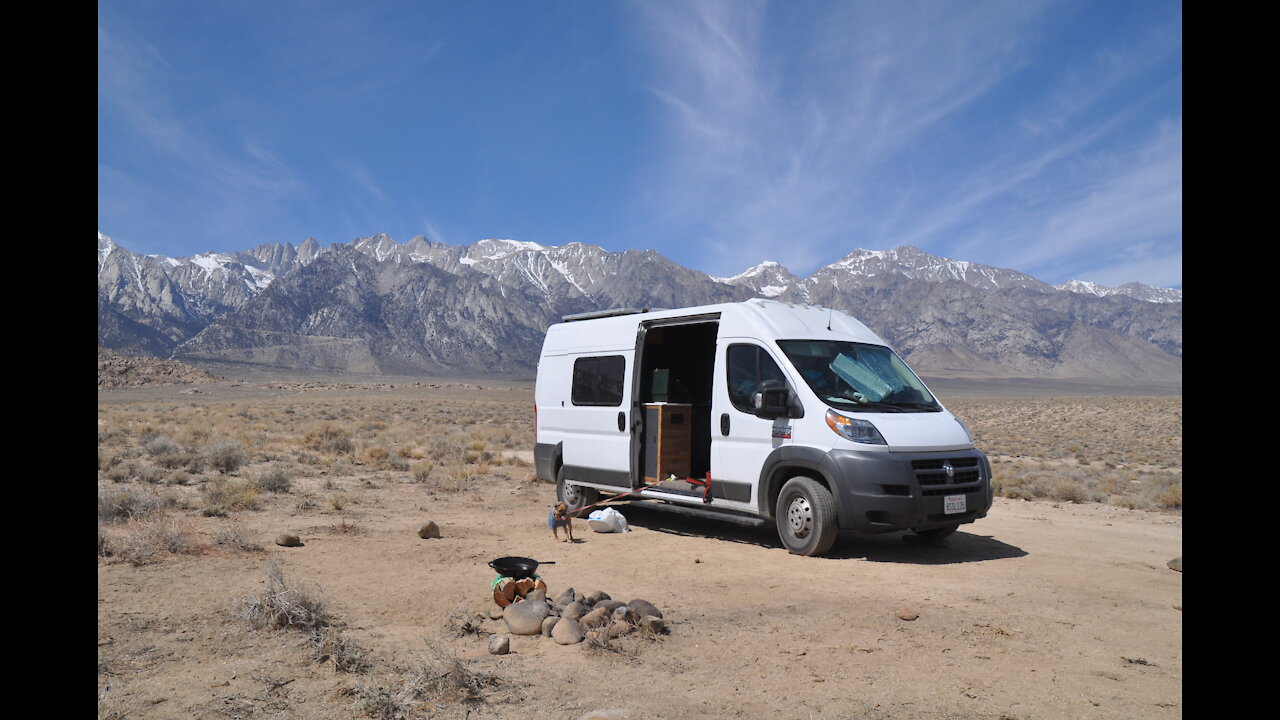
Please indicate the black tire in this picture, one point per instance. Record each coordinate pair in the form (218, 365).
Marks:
(806, 517)
(575, 496)
(936, 537)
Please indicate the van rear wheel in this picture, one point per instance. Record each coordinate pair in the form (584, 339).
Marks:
(575, 496)
(806, 517)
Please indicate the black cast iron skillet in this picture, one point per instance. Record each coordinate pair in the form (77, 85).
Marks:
(516, 567)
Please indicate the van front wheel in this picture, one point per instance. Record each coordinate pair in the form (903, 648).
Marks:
(575, 496)
(806, 517)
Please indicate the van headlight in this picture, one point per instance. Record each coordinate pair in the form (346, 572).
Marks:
(859, 431)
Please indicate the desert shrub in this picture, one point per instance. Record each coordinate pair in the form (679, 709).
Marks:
(331, 439)
(150, 474)
(157, 444)
(234, 536)
(380, 702)
(1068, 490)
(377, 454)
(1170, 497)
(147, 539)
(104, 542)
(339, 651)
(226, 455)
(442, 676)
(422, 471)
(275, 480)
(116, 504)
(281, 605)
(223, 495)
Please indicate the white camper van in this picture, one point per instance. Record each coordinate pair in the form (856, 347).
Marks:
(757, 412)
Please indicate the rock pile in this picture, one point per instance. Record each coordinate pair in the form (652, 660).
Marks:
(573, 616)
(116, 370)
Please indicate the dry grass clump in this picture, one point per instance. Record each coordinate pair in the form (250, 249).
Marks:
(283, 606)
(275, 480)
(223, 495)
(226, 455)
(441, 678)
(330, 439)
(147, 539)
(117, 504)
(236, 537)
(340, 652)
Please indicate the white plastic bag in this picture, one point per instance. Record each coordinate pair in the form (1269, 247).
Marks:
(607, 520)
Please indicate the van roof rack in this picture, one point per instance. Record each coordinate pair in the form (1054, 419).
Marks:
(603, 314)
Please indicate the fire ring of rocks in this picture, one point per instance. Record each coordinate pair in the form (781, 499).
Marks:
(573, 617)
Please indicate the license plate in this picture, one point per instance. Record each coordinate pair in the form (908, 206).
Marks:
(952, 504)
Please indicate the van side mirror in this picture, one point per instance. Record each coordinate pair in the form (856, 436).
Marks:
(774, 400)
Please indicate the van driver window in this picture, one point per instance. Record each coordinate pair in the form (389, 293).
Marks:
(749, 365)
(598, 380)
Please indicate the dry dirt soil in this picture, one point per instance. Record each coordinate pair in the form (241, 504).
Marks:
(1040, 610)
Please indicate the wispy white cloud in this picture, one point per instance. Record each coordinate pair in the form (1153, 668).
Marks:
(881, 124)
(770, 160)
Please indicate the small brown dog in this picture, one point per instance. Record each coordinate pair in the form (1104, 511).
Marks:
(559, 518)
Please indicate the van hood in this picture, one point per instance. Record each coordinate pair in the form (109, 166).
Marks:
(919, 432)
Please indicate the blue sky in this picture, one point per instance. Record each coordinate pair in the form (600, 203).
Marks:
(1040, 136)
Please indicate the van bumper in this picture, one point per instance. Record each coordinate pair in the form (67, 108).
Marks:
(887, 492)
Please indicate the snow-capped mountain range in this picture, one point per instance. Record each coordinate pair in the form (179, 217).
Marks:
(218, 305)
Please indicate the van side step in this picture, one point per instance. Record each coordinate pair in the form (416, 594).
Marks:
(725, 515)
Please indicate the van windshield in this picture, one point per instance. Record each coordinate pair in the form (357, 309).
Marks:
(860, 377)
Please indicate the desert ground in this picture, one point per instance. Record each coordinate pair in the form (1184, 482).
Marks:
(1062, 603)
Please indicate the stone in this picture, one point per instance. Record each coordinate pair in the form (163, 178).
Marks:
(594, 597)
(622, 613)
(567, 632)
(499, 644)
(525, 617)
(549, 623)
(609, 604)
(566, 597)
(618, 629)
(597, 617)
(1176, 564)
(906, 613)
(574, 610)
(429, 530)
(289, 540)
(653, 624)
(495, 613)
(579, 597)
(644, 607)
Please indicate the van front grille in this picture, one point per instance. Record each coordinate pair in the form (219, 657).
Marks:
(946, 475)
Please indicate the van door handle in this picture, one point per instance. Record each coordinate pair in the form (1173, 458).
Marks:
(622, 421)
(724, 423)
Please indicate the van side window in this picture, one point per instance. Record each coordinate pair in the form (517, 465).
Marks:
(598, 380)
(749, 365)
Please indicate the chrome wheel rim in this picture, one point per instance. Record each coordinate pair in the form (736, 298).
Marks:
(800, 517)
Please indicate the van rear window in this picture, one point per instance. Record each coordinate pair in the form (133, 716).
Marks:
(598, 380)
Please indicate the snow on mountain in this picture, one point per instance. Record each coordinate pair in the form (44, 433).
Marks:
(1136, 290)
(920, 265)
(769, 279)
